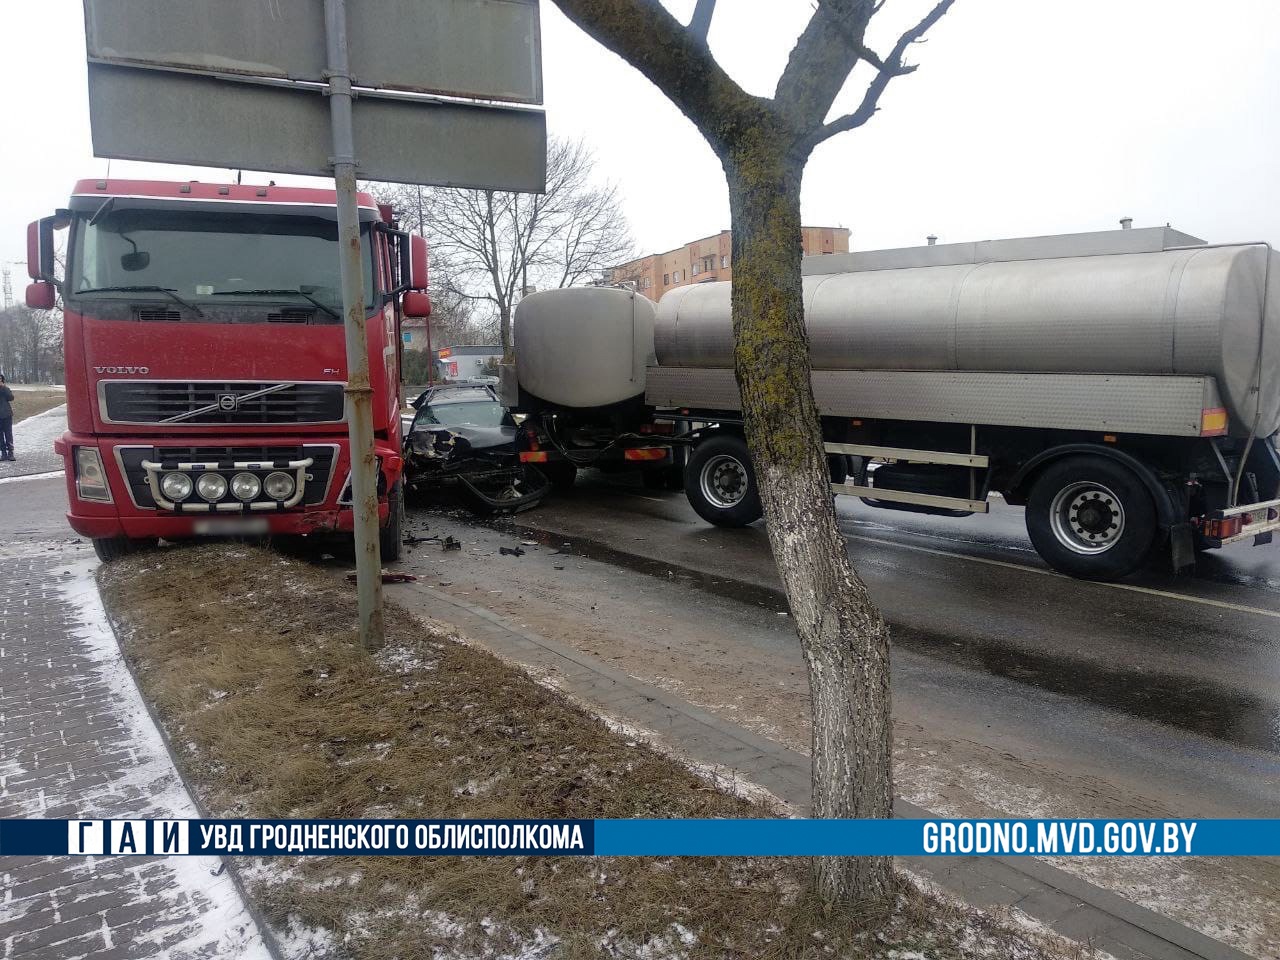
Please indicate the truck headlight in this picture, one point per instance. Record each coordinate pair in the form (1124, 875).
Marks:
(211, 486)
(279, 486)
(176, 486)
(91, 478)
(245, 486)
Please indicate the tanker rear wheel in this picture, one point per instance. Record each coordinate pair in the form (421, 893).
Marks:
(721, 483)
(1092, 518)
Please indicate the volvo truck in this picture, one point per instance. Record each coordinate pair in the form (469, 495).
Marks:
(205, 358)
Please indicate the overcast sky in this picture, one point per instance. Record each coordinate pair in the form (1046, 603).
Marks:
(1025, 117)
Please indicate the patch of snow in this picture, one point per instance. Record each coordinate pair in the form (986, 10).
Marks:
(223, 923)
(33, 476)
(36, 434)
(299, 941)
(403, 659)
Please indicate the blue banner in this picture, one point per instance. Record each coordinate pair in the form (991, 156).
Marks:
(638, 838)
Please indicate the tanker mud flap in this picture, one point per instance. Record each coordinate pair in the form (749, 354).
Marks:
(510, 490)
(1182, 546)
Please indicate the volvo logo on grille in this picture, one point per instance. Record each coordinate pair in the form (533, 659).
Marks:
(228, 401)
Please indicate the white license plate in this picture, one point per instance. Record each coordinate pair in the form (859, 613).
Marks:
(231, 527)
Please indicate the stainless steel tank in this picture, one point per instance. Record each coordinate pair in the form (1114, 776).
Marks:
(1195, 311)
(583, 347)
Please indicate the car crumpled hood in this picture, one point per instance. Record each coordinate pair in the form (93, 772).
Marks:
(478, 438)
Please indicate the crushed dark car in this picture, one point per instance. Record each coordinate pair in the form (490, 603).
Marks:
(461, 440)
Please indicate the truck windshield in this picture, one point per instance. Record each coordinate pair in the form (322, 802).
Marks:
(213, 259)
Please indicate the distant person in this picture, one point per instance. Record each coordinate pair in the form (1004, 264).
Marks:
(6, 421)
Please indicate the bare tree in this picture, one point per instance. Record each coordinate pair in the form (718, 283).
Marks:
(31, 344)
(501, 243)
(763, 145)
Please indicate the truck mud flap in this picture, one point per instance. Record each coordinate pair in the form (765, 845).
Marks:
(496, 492)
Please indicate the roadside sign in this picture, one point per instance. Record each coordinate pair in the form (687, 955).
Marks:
(140, 114)
(485, 49)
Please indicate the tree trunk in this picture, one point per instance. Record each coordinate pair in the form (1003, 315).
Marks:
(844, 638)
(504, 331)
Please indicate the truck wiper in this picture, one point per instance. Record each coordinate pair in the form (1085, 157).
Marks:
(275, 293)
(167, 291)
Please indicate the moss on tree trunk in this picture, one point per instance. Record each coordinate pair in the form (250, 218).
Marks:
(845, 641)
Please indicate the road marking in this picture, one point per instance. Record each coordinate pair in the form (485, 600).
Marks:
(33, 476)
(1132, 588)
(641, 496)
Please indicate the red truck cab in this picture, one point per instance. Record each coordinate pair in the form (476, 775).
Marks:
(205, 358)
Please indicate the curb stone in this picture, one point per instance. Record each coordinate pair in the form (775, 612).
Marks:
(269, 940)
(1071, 907)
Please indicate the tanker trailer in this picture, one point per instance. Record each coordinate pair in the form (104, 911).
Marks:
(580, 360)
(1121, 385)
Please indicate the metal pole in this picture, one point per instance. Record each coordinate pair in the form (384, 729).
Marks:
(364, 465)
(422, 232)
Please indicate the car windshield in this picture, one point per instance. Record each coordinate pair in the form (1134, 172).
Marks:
(218, 259)
(466, 413)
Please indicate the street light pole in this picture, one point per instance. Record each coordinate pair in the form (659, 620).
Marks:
(364, 465)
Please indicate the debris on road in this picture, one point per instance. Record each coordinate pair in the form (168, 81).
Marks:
(388, 577)
(451, 544)
(511, 551)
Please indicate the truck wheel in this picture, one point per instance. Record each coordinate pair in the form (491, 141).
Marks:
(112, 548)
(841, 467)
(1090, 517)
(721, 483)
(561, 473)
(391, 536)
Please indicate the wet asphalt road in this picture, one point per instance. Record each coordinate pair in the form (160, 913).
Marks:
(1199, 653)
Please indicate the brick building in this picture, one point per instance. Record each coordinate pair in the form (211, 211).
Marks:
(709, 259)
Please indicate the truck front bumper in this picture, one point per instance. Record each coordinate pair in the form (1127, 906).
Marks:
(132, 512)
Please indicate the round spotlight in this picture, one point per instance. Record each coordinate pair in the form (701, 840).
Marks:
(211, 486)
(245, 486)
(176, 486)
(279, 486)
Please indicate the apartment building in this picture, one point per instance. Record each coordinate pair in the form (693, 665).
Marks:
(710, 259)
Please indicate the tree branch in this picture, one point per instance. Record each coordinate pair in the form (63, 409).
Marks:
(821, 60)
(669, 55)
(891, 67)
(700, 22)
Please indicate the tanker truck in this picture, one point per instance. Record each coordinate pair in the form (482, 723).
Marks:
(1119, 385)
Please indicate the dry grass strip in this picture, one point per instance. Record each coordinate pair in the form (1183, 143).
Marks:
(248, 658)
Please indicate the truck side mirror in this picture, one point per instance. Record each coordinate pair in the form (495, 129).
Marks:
(41, 295)
(41, 263)
(416, 305)
(417, 263)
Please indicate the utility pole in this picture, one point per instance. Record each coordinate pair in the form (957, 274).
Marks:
(364, 465)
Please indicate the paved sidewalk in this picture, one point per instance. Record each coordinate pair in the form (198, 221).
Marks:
(33, 442)
(76, 742)
(1070, 906)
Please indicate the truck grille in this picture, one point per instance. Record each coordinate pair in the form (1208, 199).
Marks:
(318, 473)
(140, 401)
